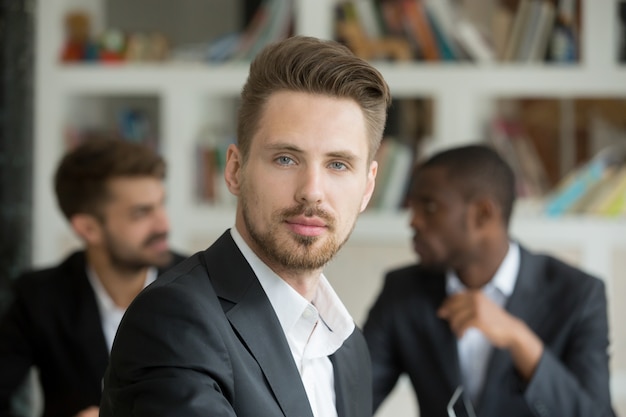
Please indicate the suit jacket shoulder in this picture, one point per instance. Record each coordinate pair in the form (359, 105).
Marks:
(204, 340)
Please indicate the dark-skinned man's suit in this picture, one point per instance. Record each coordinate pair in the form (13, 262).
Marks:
(53, 323)
(565, 307)
(205, 341)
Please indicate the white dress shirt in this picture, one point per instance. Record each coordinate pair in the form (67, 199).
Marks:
(313, 330)
(110, 313)
(474, 348)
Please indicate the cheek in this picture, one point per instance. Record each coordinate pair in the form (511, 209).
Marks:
(132, 231)
(259, 197)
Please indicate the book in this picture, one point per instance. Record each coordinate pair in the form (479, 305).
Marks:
(501, 24)
(443, 16)
(445, 45)
(596, 194)
(517, 31)
(419, 29)
(616, 201)
(510, 140)
(529, 31)
(398, 177)
(473, 42)
(369, 18)
(395, 162)
(382, 157)
(272, 24)
(539, 43)
(601, 200)
(564, 44)
(582, 180)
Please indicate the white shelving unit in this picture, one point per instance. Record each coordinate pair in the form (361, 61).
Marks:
(189, 95)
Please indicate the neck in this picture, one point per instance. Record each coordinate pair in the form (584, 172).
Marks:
(121, 285)
(480, 270)
(305, 284)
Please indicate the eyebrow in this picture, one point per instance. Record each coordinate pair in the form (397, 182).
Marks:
(346, 155)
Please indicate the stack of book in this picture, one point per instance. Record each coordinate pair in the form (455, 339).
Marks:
(597, 187)
(480, 31)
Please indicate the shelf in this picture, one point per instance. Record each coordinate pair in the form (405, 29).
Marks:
(394, 226)
(149, 78)
(539, 80)
(404, 79)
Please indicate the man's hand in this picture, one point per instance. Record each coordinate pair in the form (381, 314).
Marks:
(474, 309)
(92, 411)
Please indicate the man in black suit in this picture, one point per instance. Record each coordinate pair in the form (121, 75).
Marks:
(481, 324)
(250, 327)
(62, 320)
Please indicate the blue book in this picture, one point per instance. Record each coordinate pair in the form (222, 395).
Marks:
(576, 187)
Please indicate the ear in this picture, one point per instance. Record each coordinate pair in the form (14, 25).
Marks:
(233, 169)
(369, 186)
(87, 227)
(484, 212)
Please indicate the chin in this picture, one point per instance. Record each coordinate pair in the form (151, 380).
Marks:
(162, 259)
(433, 266)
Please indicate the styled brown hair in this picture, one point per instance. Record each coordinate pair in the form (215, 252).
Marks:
(83, 174)
(310, 65)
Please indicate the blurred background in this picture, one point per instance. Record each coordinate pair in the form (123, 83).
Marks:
(542, 80)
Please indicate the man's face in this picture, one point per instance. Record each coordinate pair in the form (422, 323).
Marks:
(440, 221)
(305, 181)
(135, 224)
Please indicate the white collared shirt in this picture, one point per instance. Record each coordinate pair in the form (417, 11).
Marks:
(110, 313)
(474, 348)
(313, 330)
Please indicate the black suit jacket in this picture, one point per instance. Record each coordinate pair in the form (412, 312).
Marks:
(565, 307)
(205, 341)
(53, 323)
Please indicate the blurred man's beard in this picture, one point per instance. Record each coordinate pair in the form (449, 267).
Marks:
(292, 251)
(124, 259)
(434, 267)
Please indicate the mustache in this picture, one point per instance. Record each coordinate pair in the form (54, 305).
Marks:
(155, 237)
(309, 211)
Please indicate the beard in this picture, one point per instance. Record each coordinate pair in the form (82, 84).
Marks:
(131, 260)
(296, 252)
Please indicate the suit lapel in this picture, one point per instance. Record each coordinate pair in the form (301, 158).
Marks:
(344, 371)
(86, 325)
(235, 282)
(444, 342)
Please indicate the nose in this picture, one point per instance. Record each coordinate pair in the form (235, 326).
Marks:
(310, 186)
(417, 219)
(162, 221)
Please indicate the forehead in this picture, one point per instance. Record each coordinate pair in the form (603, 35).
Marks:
(135, 190)
(435, 182)
(325, 122)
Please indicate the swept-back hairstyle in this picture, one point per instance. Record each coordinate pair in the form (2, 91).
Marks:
(478, 170)
(311, 65)
(82, 176)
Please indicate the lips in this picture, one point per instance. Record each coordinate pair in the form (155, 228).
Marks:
(307, 226)
(158, 242)
(307, 221)
(418, 245)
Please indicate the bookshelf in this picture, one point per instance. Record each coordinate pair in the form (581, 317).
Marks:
(188, 96)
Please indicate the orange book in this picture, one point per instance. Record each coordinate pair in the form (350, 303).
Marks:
(420, 27)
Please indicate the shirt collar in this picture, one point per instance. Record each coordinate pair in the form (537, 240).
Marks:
(104, 300)
(504, 279)
(288, 304)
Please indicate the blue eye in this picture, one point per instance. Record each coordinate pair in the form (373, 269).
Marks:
(284, 160)
(338, 166)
